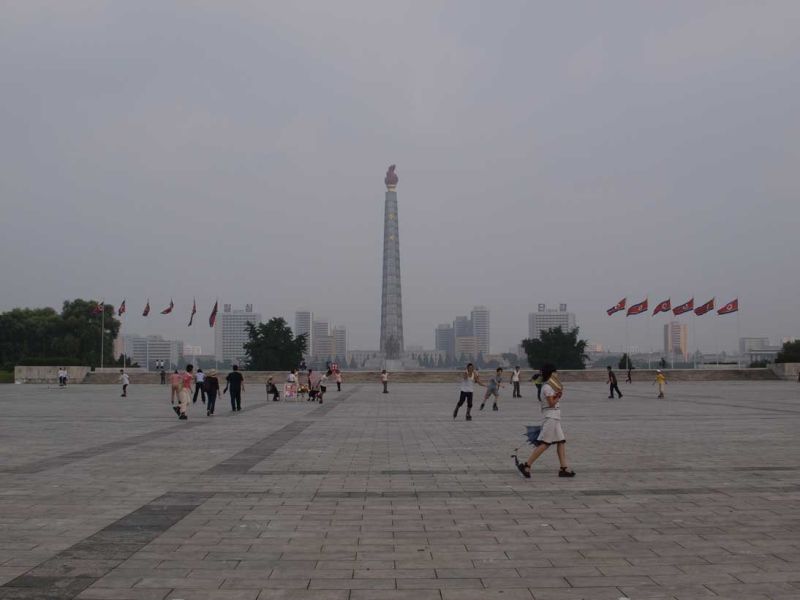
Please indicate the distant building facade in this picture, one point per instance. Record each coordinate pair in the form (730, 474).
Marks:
(445, 340)
(146, 350)
(480, 329)
(676, 340)
(548, 318)
(303, 320)
(230, 332)
(339, 335)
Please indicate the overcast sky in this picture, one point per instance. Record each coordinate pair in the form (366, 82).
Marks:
(547, 152)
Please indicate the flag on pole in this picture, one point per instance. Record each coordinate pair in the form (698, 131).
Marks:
(146, 310)
(664, 306)
(98, 308)
(617, 307)
(121, 310)
(683, 308)
(168, 310)
(730, 307)
(194, 310)
(704, 308)
(213, 318)
(637, 309)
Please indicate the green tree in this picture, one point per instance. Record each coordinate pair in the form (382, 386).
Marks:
(790, 353)
(625, 362)
(563, 349)
(272, 346)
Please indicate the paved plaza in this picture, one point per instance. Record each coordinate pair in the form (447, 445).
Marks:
(386, 497)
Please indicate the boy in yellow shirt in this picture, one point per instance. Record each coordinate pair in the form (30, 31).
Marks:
(661, 381)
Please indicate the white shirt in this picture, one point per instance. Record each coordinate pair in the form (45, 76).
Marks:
(467, 382)
(200, 377)
(291, 378)
(124, 379)
(549, 412)
(515, 376)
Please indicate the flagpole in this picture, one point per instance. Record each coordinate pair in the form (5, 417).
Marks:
(102, 332)
(738, 336)
(627, 345)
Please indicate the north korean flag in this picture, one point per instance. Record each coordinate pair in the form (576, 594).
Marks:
(194, 312)
(637, 309)
(730, 307)
(168, 310)
(704, 308)
(617, 307)
(121, 310)
(683, 308)
(213, 318)
(664, 306)
(146, 310)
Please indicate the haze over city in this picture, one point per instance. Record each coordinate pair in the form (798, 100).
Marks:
(546, 154)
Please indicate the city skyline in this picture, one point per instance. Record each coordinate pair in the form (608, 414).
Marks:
(634, 163)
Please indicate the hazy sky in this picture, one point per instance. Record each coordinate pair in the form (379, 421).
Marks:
(547, 152)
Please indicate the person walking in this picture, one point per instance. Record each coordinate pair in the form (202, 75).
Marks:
(322, 385)
(163, 376)
(515, 383)
(538, 382)
(493, 389)
(174, 388)
(661, 380)
(62, 377)
(311, 384)
(338, 381)
(187, 379)
(468, 378)
(273, 390)
(199, 388)
(628, 377)
(235, 383)
(124, 379)
(385, 381)
(550, 431)
(211, 385)
(612, 383)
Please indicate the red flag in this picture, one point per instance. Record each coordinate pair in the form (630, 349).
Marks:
(168, 310)
(213, 318)
(617, 307)
(121, 310)
(704, 308)
(637, 309)
(664, 306)
(730, 307)
(98, 308)
(194, 310)
(683, 308)
(146, 310)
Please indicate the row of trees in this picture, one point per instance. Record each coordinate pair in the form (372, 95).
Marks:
(44, 336)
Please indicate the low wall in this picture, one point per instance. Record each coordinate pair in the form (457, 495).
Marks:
(48, 374)
(789, 371)
(589, 375)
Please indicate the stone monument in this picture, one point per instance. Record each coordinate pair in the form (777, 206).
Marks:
(391, 297)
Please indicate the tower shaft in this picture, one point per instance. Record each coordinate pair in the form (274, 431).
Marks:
(391, 297)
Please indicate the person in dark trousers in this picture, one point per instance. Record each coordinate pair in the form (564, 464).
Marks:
(628, 378)
(612, 383)
(515, 383)
(385, 381)
(163, 377)
(211, 384)
(272, 389)
(199, 387)
(538, 382)
(468, 378)
(235, 383)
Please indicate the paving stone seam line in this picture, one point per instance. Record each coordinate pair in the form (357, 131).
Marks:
(108, 548)
(126, 536)
(244, 460)
(71, 457)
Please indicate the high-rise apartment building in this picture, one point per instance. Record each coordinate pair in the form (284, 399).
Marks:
(230, 332)
(446, 339)
(547, 318)
(340, 342)
(462, 327)
(480, 328)
(147, 350)
(676, 340)
(466, 346)
(303, 320)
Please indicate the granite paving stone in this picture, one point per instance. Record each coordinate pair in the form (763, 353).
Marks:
(386, 497)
